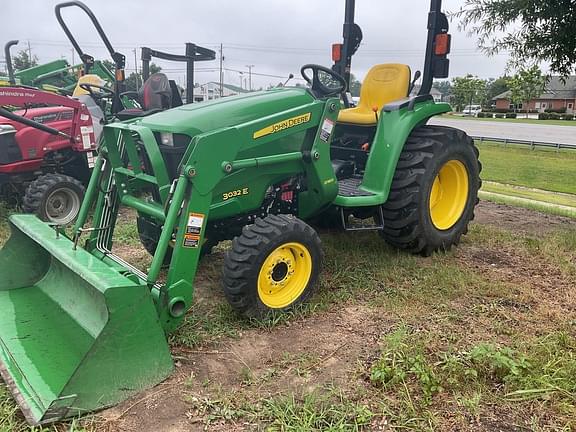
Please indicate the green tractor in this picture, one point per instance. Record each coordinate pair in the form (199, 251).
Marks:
(57, 76)
(81, 329)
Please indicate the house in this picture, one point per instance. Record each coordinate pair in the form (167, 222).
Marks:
(557, 96)
(211, 90)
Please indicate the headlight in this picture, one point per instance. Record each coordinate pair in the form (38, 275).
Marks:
(6, 129)
(167, 138)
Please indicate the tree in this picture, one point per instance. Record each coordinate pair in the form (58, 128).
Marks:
(530, 29)
(525, 85)
(496, 86)
(22, 61)
(468, 90)
(443, 87)
(134, 80)
(355, 86)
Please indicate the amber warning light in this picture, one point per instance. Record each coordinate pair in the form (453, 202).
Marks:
(336, 52)
(442, 45)
(120, 75)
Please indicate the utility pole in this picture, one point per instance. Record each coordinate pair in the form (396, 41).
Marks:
(29, 53)
(136, 69)
(72, 56)
(250, 76)
(221, 73)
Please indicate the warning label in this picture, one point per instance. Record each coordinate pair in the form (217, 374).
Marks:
(326, 131)
(85, 131)
(193, 230)
(191, 241)
(195, 222)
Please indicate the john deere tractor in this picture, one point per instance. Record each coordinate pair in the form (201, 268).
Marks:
(81, 329)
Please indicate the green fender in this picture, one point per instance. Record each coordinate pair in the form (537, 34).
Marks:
(394, 127)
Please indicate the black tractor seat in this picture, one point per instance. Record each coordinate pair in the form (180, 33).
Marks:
(157, 94)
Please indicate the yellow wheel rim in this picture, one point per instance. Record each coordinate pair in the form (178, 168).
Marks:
(284, 275)
(449, 195)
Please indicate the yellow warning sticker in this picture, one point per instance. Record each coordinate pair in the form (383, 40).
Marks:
(193, 230)
(282, 125)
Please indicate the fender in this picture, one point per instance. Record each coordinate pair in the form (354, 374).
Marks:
(395, 124)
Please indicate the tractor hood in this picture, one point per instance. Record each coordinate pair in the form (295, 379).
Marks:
(193, 119)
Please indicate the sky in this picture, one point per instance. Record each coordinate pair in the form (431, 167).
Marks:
(277, 37)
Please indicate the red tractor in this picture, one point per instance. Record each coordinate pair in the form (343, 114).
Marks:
(46, 153)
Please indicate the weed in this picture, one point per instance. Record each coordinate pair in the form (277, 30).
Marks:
(400, 362)
(332, 412)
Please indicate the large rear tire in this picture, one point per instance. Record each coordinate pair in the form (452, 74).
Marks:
(272, 266)
(434, 191)
(55, 198)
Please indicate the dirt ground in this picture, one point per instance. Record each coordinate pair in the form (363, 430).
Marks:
(328, 347)
(518, 219)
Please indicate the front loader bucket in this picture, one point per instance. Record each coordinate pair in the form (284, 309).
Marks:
(75, 334)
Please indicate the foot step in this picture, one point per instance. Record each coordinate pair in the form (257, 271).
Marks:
(345, 218)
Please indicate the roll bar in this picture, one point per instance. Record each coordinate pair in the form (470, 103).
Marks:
(10, 44)
(87, 60)
(193, 54)
(436, 63)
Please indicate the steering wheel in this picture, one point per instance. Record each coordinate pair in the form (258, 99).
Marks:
(319, 88)
(106, 92)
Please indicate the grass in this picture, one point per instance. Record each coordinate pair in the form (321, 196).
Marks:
(518, 201)
(428, 367)
(538, 369)
(530, 194)
(540, 169)
(516, 120)
(483, 333)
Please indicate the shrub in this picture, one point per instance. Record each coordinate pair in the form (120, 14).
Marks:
(488, 115)
(480, 115)
(499, 115)
(543, 116)
(568, 117)
(554, 116)
(511, 115)
(554, 110)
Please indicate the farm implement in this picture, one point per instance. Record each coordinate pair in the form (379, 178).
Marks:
(82, 329)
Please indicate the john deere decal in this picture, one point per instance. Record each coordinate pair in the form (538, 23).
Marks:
(284, 124)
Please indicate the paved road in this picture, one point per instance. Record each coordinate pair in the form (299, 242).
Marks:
(519, 131)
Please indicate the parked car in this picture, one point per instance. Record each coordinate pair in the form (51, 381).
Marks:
(471, 110)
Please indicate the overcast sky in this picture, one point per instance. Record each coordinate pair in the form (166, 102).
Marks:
(276, 36)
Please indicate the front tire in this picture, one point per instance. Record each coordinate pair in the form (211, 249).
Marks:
(434, 191)
(55, 198)
(272, 266)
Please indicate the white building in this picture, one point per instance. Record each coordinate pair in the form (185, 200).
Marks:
(211, 90)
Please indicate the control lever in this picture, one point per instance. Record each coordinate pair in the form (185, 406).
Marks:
(417, 76)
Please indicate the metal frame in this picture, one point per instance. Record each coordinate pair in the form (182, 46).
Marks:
(193, 54)
(22, 97)
(87, 60)
(435, 66)
(9, 67)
